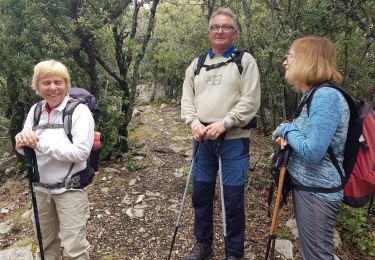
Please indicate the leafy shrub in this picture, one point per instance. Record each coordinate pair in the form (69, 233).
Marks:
(5, 142)
(111, 115)
(133, 165)
(357, 228)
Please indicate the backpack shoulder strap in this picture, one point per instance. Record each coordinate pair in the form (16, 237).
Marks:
(330, 84)
(238, 60)
(37, 113)
(200, 63)
(67, 117)
(354, 130)
(236, 57)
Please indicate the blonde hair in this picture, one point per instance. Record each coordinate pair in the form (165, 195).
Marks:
(314, 61)
(227, 12)
(50, 68)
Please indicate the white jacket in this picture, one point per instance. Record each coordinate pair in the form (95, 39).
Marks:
(55, 153)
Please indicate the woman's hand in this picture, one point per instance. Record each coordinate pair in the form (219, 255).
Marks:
(281, 142)
(26, 138)
(275, 133)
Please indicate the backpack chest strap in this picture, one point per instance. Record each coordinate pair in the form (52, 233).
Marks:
(50, 186)
(47, 126)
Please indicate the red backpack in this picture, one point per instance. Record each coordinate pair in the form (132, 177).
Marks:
(359, 152)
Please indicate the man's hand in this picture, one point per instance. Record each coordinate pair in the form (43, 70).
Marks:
(26, 138)
(214, 130)
(199, 132)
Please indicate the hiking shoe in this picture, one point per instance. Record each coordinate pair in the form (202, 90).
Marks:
(200, 251)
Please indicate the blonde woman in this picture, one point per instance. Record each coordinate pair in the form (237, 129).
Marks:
(63, 211)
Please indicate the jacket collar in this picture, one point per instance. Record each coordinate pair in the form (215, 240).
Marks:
(225, 53)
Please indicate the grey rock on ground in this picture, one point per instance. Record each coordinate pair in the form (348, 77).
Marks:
(17, 254)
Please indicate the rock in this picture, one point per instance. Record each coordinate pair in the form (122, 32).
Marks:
(140, 199)
(132, 182)
(148, 92)
(138, 213)
(292, 225)
(141, 230)
(13, 205)
(104, 190)
(23, 253)
(136, 112)
(100, 233)
(4, 211)
(250, 256)
(177, 147)
(173, 207)
(26, 214)
(110, 170)
(284, 248)
(129, 212)
(181, 138)
(173, 201)
(127, 200)
(135, 213)
(163, 106)
(157, 162)
(152, 194)
(9, 170)
(336, 239)
(139, 206)
(179, 172)
(5, 228)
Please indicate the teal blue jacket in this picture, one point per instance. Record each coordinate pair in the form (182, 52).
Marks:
(310, 135)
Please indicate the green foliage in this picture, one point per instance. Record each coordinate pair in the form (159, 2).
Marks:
(111, 114)
(5, 122)
(357, 229)
(133, 165)
(5, 143)
(170, 51)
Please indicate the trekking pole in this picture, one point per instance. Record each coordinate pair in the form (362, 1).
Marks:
(275, 217)
(32, 168)
(223, 213)
(182, 202)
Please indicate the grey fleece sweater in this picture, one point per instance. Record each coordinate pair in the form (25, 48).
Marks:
(222, 94)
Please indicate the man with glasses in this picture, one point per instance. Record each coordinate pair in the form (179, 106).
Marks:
(217, 103)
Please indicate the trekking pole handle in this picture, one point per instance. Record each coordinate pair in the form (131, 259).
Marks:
(28, 156)
(284, 163)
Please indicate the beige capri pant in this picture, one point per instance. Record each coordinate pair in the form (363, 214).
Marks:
(63, 219)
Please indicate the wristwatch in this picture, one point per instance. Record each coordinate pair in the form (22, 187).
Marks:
(226, 125)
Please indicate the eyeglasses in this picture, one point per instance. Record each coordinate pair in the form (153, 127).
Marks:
(289, 56)
(224, 28)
